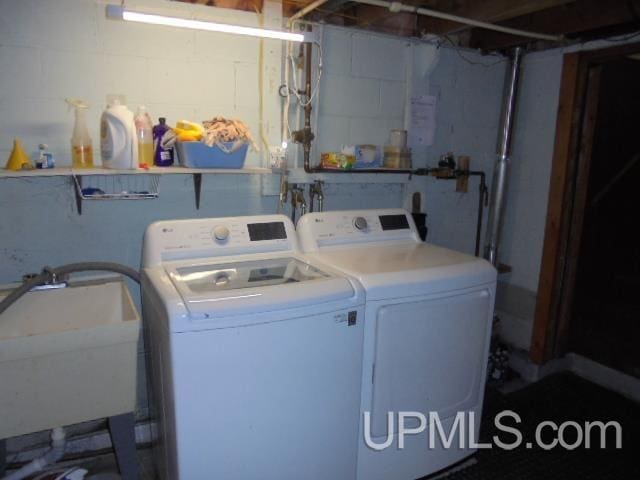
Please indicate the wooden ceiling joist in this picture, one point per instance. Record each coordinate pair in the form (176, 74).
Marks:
(487, 11)
(578, 17)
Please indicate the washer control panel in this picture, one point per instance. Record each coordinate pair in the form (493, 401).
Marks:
(183, 239)
(354, 226)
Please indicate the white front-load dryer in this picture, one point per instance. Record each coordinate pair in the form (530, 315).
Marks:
(256, 353)
(428, 320)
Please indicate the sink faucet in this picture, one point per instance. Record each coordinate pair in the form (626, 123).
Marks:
(297, 201)
(54, 283)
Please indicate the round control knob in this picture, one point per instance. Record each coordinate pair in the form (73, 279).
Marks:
(360, 223)
(221, 233)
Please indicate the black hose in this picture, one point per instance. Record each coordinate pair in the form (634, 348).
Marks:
(48, 273)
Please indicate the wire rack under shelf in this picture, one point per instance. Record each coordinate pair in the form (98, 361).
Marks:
(117, 187)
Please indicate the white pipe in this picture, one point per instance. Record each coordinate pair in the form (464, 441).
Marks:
(52, 455)
(396, 7)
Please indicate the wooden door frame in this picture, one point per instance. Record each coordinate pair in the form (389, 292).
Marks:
(565, 207)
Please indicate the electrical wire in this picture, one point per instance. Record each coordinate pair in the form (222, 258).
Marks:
(316, 86)
(263, 135)
(458, 50)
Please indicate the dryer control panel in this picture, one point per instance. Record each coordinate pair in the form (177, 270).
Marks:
(316, 230)
(214, 237)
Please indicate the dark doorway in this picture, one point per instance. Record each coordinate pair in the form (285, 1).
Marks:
(605, 318)
(589, 288)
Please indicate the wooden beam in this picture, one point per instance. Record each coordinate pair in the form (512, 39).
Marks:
(329, 8)
(578, 204)
(246, 5)
(381, 20)
(552, 253)
(487, 11)
(571, 18)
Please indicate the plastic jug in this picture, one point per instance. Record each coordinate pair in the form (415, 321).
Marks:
(118, 144)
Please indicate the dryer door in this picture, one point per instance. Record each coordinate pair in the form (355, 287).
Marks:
(430, 356)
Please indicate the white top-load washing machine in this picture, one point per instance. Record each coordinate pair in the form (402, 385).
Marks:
(256, 353)
(428, 321)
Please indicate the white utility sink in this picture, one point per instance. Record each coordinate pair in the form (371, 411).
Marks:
(66, 356)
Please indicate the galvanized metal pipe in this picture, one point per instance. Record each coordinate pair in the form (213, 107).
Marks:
(501, 172)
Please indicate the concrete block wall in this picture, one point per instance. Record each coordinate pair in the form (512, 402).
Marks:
(468, 88)
(52, 50)
(363, 89)
(525, 216)
(68, 48)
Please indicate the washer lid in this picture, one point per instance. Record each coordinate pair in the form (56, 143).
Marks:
(219, 289)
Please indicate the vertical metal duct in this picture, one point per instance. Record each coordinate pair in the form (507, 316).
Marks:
(501, 172)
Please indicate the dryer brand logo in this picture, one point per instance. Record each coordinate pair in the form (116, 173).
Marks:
(548, 434)
(349, 318)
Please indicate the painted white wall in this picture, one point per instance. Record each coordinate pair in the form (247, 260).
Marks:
(68, 48)
(363, 90)
(469, 92)
(532, 154)
(52, 50)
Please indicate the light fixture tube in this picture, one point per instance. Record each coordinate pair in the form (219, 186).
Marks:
(117, 12)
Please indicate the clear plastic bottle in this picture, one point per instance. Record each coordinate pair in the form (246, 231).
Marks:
(81, 145)
(144, 134)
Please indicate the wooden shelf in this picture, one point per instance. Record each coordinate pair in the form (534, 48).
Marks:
(78, 174)
(68, 171)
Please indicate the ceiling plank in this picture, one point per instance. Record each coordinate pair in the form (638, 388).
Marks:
(486, 11)
(247, 5)
(381, 20)
(572, 18)
(329, 8)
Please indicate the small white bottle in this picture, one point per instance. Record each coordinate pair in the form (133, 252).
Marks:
(118, 144)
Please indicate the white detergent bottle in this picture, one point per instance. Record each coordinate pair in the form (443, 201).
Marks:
(118, 144)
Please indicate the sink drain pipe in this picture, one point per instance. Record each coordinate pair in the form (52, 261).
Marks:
(50, 274)
(52, 455)
(501, 172)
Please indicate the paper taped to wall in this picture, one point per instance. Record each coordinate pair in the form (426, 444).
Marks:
(423, 120)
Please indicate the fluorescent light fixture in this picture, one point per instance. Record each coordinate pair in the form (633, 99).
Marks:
(120, 13)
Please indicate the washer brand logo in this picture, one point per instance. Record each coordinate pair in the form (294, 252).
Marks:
(319, 220)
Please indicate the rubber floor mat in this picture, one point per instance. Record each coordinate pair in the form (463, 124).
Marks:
(558, 398)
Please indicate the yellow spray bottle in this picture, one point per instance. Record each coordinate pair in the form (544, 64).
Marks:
(81, 146)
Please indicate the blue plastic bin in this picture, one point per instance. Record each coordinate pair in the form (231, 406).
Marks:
(200, 155)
